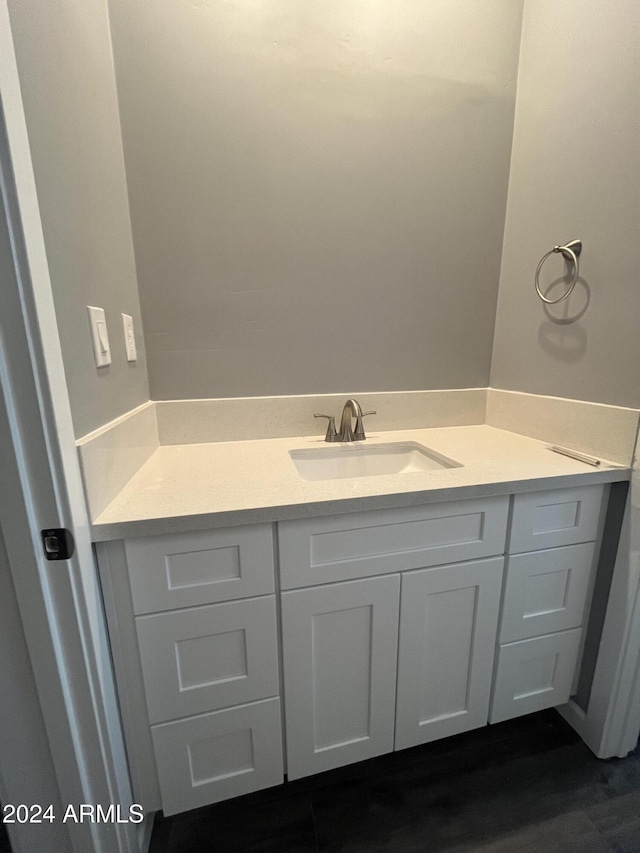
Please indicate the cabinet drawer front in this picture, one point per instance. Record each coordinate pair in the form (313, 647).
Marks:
(546, 591)
(448, 627)
(555, 518)
(339, 648)
(216, 756)
(322, 550)
(187, 569)
(207, 658)
(534, 674)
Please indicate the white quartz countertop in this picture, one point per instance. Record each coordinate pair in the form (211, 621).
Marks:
(197, 486)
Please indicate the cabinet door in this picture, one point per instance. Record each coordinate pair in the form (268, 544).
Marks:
(340, 653)
(448, 627)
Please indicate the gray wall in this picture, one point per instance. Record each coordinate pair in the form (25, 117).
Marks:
(317, 190)
(68, 86)
(575, 172)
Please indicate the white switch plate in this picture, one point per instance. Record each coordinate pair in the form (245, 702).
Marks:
(100, 336)
(129, 337)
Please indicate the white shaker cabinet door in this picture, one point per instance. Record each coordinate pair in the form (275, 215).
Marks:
(340, 652)
(448, 627)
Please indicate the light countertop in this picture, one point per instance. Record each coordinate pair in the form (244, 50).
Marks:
(197, 486)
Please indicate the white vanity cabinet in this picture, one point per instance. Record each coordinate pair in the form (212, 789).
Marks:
(388, 628)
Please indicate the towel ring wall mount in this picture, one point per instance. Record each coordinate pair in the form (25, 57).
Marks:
(571, 252)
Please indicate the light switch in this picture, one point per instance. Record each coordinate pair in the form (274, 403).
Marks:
(100, 336)
(129, 337)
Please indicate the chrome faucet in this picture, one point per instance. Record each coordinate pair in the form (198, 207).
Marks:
(351, 410)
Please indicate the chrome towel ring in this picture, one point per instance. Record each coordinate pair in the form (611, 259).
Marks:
(570, 252)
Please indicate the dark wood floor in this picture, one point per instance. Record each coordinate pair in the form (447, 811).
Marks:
(525, 785)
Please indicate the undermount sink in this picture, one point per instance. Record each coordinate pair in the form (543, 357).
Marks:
(361, 460)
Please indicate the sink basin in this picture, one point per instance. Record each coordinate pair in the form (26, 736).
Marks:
(362, 460)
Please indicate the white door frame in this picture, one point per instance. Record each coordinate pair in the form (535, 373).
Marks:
(60, 603)
(27, 774)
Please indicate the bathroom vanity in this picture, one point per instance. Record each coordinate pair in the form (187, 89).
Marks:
(314, 638)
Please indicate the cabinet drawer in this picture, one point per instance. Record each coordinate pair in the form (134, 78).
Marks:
(554, 518)
(322, 550)
(545, 591)
(206, 658)
(187, 569)
(534, 674)
(216, 756)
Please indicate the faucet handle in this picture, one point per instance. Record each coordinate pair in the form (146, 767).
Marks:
(358, 433)
(331, 435)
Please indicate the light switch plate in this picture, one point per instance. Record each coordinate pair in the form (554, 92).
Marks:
(129, 337)
(99, 336)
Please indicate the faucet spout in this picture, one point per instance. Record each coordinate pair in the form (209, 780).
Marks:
(351, 410)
